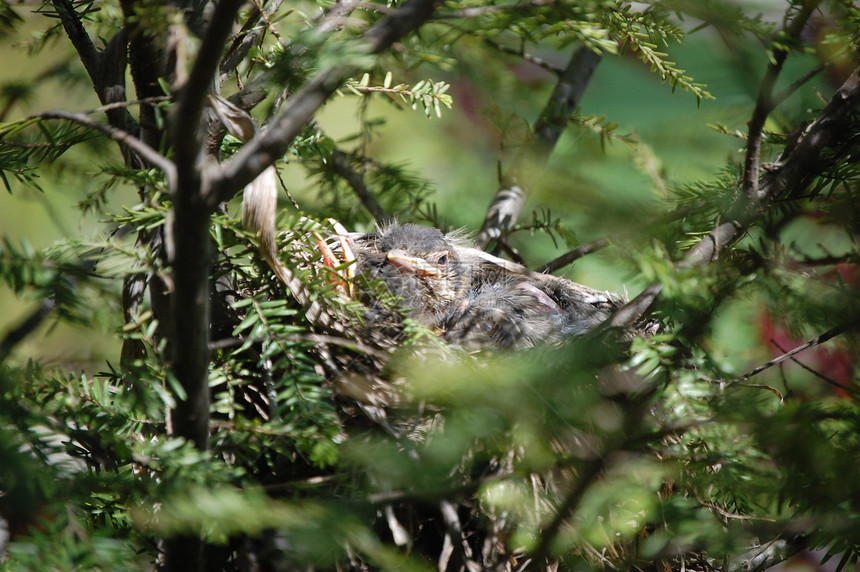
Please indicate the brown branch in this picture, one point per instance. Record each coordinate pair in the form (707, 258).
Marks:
(492, 9)
(573, 255)
(81, 41)
(767, 555)
(146, 65)
(828, 335)
(186, 120)
(146, 152)
(779, 98)
(27, 326)
(521, 175)
(341, 167)
(799, 162)
(817, 374)
(189, 332)
(549, 532)
(106, 70)
(273, 142)
(527, 57)
(765, 103)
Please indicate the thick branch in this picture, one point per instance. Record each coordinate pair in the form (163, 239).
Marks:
(186, 120)
(189, 345)
(273, 142)
(80, 39)
(767, 555)
(508, 203)
(106, 70)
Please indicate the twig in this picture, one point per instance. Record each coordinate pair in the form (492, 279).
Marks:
(264, 14)
(146, 152)
(492, 9)
(530, 58)
(817, 374)
(25, 328)
(123, 104)
(765, 103)
(312, 338)
(246, 165)
(509, 200)
(779, 98)
(549, 532)
(829, 334)
(572, 255)
(341, 167)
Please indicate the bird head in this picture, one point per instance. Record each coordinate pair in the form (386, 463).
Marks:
(421, 266)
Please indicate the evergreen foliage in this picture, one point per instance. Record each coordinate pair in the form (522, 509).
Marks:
(232, 429)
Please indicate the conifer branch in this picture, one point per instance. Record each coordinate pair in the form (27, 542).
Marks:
(800, 161)
(273, 142)
(341, 167)
(765, 102)
(524, 171)
(146, 152)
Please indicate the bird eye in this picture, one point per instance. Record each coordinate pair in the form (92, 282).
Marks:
(443, 260)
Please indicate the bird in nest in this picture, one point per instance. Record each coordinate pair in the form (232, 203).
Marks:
(464, 295)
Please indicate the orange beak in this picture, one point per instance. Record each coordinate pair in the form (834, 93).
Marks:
(414, 265)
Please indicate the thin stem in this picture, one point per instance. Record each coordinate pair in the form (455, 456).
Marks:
(146, 152)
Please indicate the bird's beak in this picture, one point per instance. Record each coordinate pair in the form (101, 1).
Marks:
(412, 264)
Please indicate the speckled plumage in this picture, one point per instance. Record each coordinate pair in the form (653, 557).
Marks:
(473, 299)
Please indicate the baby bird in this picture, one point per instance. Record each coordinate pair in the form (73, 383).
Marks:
(419, 265)
(473, 299)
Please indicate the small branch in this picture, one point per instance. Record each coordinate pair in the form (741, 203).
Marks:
(779, 98)
(126, 104)
(549, 532)
(765, 103)
(337, 15)
(492, 9)
(530, 58)
(264, 14)
(312, 338)
(25, 328)
(341, 167)
(817, 374)
(146, 152)
(828, 335)
(274, 141)
(507, 204)
(573, 255)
